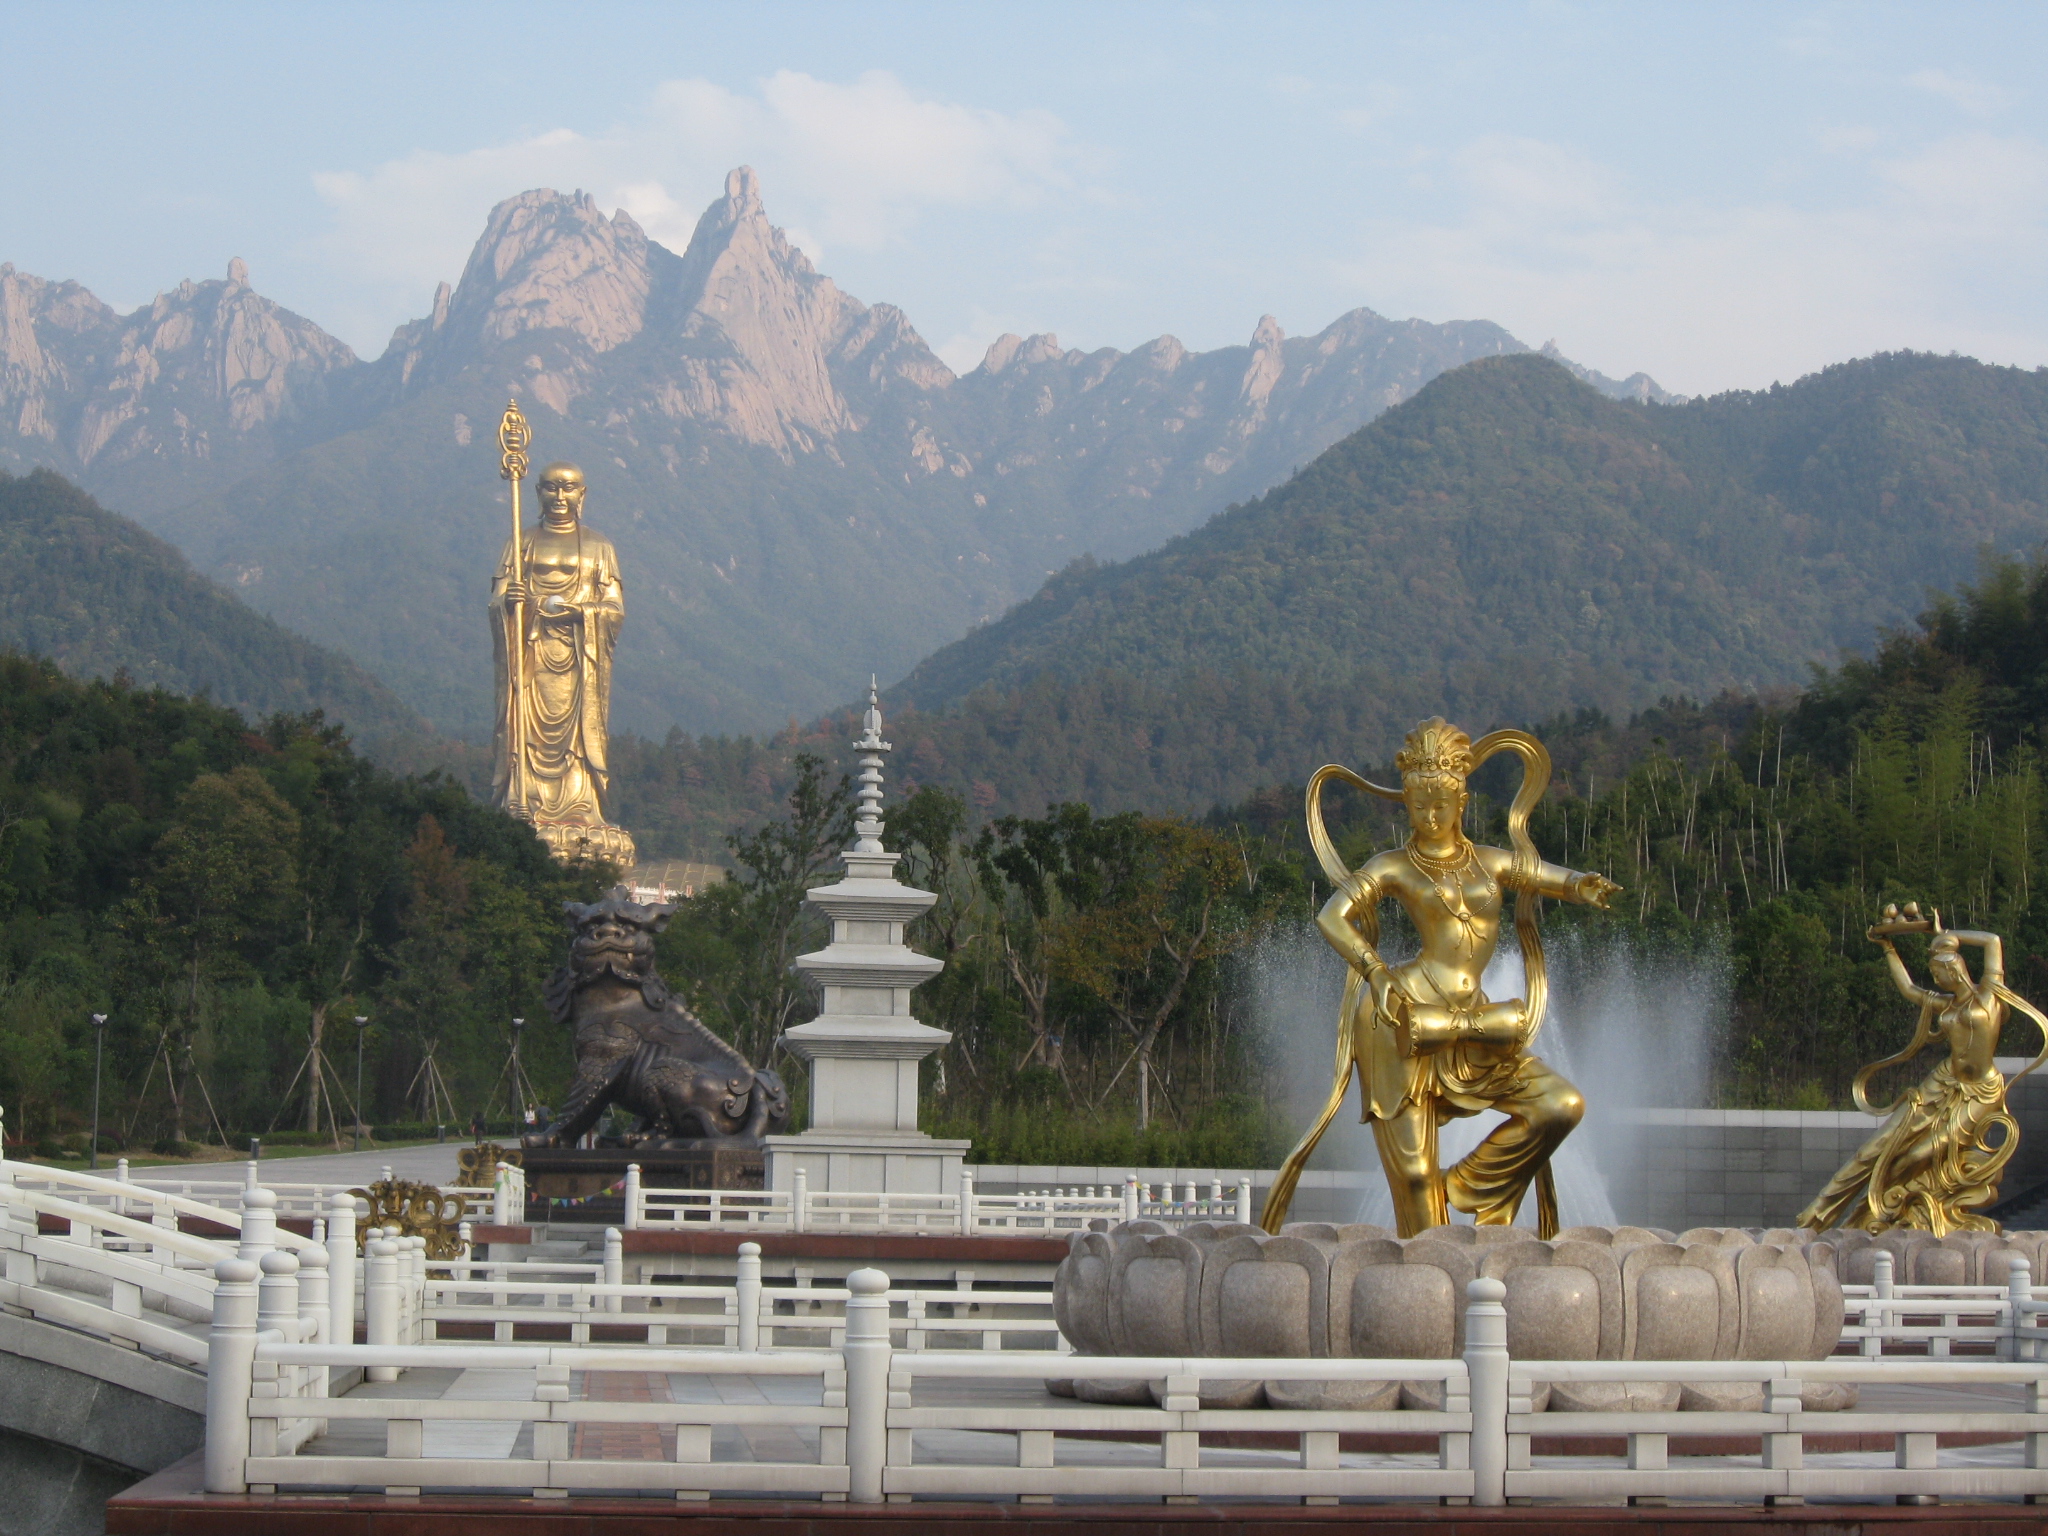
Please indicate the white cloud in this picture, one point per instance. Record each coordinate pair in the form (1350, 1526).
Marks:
(854, 164)
(1979, 98)
(1710, 296)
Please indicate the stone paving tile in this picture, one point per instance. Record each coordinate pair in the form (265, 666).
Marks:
(622, 1442)
(481, 1438)
(753, 1442)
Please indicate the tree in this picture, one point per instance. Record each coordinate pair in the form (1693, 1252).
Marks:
(222, 874)
(429, 983)
(1164, 905)
(733, 945)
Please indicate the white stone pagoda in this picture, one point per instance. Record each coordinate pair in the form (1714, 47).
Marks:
(864, 1047)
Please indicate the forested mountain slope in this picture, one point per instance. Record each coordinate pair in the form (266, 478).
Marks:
(99, 596)
(1507, 545)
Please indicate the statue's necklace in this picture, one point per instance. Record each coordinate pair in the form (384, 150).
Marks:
(1455, 867)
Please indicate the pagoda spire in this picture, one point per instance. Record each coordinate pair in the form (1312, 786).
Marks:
(868, 824)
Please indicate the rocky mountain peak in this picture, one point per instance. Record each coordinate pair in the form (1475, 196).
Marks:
(765, 337)
(742, 190)
(238, 273)
(46, 331)
(546, 261)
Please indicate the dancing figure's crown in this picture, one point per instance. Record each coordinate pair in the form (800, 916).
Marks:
(1435, 746)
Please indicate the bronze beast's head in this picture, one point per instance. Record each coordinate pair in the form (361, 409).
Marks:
(614, 936)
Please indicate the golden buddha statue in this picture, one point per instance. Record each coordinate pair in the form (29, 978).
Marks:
(556, 606)
(1933, 1165)
(1426, 1042)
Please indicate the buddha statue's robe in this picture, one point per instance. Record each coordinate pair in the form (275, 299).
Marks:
(552, 735)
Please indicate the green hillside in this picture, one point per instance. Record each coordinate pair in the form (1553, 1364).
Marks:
(1508, 545)
(100, 597)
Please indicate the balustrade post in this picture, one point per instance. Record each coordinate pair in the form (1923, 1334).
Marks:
(2019, 1294)
(967, 1225)
(1877, 1318)
(867, 1384)
(259, 1224)
(800, 1202)
(614, 1267)
(1486, 1364)
(341, 1268)
(380, 1304)
(277, 1308)
(314, 1317)
(230, 1372)
(465, 1234)
(277, 1294)
(252, 1175)
(634, 1194)
(747, 1297)
(1244, 1200)
(1131, 1197)
(501, 1197)
(416, 1290)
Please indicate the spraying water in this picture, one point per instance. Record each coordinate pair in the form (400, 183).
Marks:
(1633, 1029)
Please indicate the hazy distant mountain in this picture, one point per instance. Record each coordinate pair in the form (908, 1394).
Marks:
(801, 491)
(99, 596)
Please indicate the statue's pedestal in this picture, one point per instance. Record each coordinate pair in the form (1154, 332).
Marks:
(913, 1164)
(571, 840)
(585, 1175)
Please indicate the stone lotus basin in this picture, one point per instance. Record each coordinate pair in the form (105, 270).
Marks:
(1317, 1290)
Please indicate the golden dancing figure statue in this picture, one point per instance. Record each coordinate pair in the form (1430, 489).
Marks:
(1427, 1043)
(1933, 1165)
(556, 606)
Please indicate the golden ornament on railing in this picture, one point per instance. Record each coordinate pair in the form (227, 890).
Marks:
(417, 1210)
(478, 1165)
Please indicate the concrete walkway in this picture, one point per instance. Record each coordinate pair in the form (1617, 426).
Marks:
(422, 1165)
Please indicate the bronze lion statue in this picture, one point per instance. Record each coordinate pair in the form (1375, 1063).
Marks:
(638, 1048)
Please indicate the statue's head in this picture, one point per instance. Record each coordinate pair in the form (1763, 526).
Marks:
(614, 936)
(1945, 960)
(561, 491)
(1434, 762)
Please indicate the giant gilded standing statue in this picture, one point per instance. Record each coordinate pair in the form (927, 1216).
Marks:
(1427, 1044)
(556, 606)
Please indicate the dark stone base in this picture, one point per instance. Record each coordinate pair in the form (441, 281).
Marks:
(572, 1173)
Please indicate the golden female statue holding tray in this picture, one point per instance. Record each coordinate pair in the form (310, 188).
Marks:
(1933, 1165)
(1427, 1043)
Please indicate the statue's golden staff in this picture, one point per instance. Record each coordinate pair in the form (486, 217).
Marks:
(514, 436)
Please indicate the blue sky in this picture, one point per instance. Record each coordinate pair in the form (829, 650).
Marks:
(1722, 195)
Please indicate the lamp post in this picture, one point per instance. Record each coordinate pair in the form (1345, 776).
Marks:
(356, 1140)
(518, 1077)
(99, 1051)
